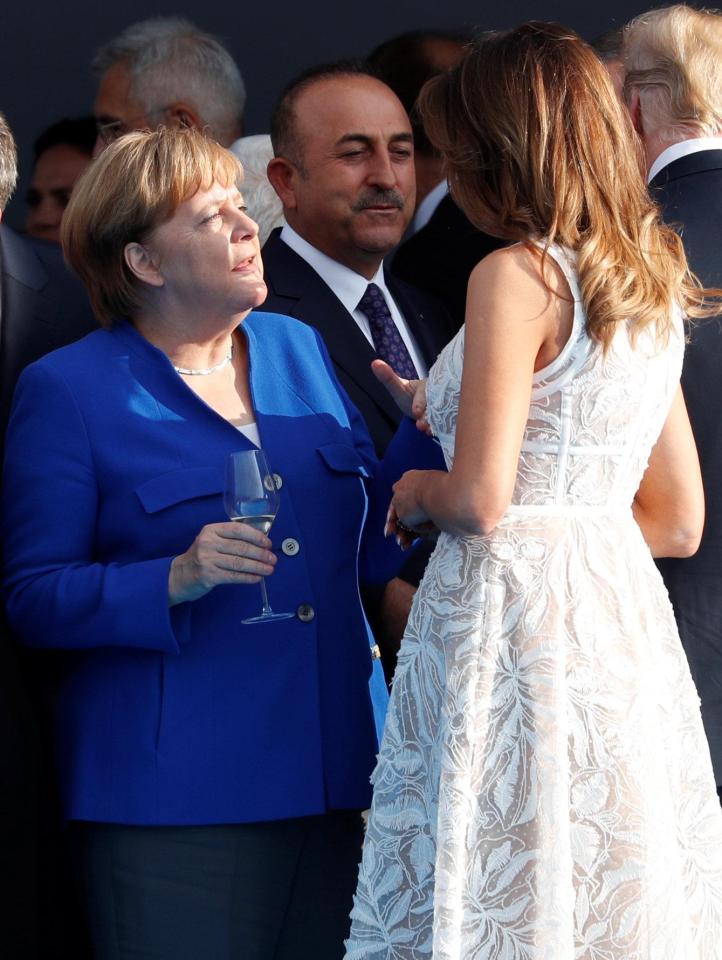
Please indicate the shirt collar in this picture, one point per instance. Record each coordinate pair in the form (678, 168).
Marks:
(682, 149)
(347, 285)
(427, 207)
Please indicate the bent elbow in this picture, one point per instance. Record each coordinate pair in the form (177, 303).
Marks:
(681, 539)
(481, 518)
(685, 544)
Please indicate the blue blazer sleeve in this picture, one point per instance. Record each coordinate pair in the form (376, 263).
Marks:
(49, 517)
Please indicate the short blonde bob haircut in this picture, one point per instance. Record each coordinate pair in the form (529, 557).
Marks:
(537, 147)
(125, 194)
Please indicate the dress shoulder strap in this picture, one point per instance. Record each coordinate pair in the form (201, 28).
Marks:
(576, 350)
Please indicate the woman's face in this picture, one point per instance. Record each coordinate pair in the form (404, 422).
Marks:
(208, 255)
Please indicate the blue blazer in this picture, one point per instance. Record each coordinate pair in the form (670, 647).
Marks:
(185, 715)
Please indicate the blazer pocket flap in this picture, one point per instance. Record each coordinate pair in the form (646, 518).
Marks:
(179, 485)
(341, 458)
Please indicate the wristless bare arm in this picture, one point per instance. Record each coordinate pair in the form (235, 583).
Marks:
(669, 505)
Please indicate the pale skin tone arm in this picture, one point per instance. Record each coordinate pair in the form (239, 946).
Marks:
(669, 505)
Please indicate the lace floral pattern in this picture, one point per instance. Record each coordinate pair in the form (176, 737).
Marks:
(544, 789)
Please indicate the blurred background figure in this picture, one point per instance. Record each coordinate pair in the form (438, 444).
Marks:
(608, 47)
(262, 202)
(441, 246)
(405, 63)
(43, 307)
(62, 152)
(167, 71)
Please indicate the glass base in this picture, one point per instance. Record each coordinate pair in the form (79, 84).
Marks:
(268, 617)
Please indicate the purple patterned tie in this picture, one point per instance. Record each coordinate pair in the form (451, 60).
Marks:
(386, 337)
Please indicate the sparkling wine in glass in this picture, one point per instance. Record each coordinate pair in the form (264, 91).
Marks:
(251, 497)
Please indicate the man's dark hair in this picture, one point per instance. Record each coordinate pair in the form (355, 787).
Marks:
(608, 45)
(77, 132)
(405, 63)
(284, 135)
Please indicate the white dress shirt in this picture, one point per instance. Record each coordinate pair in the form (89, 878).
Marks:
(349, 287)
(682, 149)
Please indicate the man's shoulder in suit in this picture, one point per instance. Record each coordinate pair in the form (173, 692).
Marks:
(442, 254)
(43, 307)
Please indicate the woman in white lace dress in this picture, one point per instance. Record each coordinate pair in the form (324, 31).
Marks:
(544, 789)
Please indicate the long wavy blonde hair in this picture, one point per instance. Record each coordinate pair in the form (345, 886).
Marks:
(537, 146)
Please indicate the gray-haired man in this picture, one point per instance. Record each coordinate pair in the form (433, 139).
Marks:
(166, 70)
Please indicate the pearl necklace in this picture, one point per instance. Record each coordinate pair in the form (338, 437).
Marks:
(205, 371)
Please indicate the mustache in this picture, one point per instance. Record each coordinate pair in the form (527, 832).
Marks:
(388, 198)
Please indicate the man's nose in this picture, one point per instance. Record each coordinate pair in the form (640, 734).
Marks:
(381, 172)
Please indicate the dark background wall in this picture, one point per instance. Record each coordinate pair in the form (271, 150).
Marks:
(46, 46)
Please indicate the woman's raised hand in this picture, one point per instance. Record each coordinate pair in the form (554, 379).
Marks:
(409, 395)
(230, 552)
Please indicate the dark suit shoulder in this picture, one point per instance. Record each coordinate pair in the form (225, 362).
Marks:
(689, 192)
(440, 257)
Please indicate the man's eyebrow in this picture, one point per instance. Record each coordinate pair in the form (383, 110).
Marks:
(405, 136)
(354, 138)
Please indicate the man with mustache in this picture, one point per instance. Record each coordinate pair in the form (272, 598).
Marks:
(344, 170)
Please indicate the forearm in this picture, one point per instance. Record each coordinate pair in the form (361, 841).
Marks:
(457, 507)
(82, 606)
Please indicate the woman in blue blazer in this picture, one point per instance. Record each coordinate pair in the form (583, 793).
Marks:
(214, 771)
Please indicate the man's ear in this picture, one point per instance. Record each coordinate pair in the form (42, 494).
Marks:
(183, 115)
(141, 264)
(283, 175)
(634, 105)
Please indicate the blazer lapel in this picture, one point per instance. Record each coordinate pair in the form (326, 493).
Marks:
(307, 296)
(423, 330)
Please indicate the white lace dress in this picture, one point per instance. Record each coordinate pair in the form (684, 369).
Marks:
(544, 789)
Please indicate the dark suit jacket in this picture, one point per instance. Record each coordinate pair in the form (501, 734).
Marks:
(690, 193)
(439, 258)
(42, 306)
(294, 288)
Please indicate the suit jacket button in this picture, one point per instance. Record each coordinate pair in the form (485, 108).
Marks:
(305, 613)
(290, 547)
(278, 480)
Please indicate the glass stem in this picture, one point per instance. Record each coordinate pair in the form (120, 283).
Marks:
(264, 596)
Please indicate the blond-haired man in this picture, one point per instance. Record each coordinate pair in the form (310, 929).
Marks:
(673, 88)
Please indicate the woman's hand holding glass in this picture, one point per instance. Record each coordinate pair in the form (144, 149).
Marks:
(221, 553)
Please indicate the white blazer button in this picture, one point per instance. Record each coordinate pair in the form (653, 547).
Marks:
(290, 547)
(305, 613)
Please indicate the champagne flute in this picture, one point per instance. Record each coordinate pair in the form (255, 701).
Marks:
(251, 497)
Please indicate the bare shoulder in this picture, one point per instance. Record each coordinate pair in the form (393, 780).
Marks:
(518, 279)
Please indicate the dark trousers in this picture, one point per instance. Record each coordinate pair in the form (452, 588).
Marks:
(281, 890)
